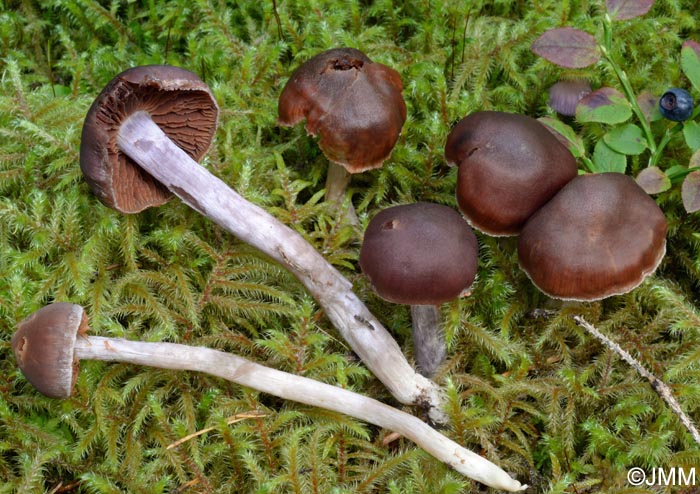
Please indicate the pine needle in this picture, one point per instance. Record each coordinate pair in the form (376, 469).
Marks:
(239, 417)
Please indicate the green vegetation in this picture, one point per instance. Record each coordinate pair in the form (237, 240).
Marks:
(527, 388)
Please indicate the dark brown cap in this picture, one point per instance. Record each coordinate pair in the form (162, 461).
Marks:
(353, 104)
(177, 101)
(601, 235)
(44, 347)
(509, 166)
(565, 95)
(419, 254)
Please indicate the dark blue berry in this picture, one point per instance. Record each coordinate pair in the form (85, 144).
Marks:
(676, 104)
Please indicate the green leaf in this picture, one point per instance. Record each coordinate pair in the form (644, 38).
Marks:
(691, 132)
(567, 47)
(653, 180)
(627, 139)
(690, 192)
(690, 62)
(606, 159)
(569, 137)
(605, 105)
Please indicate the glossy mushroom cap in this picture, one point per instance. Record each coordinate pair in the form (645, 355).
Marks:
(601, 235)
(43, 346)
(177, 101)
(419, 254)
(353, 104)
(509, 166)
(565, 95)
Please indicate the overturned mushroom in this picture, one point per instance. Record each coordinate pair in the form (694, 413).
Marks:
(509, 166)
(48, 347)
(125, 151)
(354, 105)
(422, 255)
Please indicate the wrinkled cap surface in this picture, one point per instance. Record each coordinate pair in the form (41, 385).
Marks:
(419, 254)
(601, 235)
(44, 348)
(509, 166)
(178, 101)
(354, 105)
(565, 95)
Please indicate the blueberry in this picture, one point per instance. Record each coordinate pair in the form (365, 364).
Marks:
(676, 104)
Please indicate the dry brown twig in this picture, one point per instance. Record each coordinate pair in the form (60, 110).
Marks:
(661, 388)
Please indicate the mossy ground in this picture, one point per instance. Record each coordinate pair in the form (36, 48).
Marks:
(532, 392)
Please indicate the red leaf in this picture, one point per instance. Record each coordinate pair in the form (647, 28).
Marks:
(567, 47)
(653, 180)
(694, 45)
(690, 192)
(621, 10)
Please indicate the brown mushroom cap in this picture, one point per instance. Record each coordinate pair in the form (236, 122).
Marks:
(509, 166)
(419, 254)
(177, 101)
(565, 95)
(43, 346)
(601, 235)
(353, 104)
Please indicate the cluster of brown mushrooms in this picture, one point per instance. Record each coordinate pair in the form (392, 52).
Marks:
(581, 237)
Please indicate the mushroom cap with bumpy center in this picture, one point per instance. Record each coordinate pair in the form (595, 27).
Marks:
(419, 254)
(44, 347)
(510, 165)
(601, 235)
(353, 104)
(177, 100)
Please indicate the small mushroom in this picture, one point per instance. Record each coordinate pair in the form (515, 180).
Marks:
(126, 154)
(601, 235)
(354, 105)
(422, 255)
(565, 95)
(510, 165)
(49, 344)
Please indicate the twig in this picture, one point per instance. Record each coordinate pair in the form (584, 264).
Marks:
(657, 384)
(229, 421)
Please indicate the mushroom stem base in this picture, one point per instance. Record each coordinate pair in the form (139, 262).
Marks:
(337, 182)
(142, 140)
(300, 389)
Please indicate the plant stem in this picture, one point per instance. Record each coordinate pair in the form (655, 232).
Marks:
(657, 384)
(428, 338)
(141, 139)
(300, 389)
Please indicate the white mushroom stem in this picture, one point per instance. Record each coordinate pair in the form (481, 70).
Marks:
(300, 389)
(142, 140)
(429, 347)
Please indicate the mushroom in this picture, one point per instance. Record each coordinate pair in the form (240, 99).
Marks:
(600, 235)
(124, 152)
(49, 344)
(354, 105)
(565, 95)
(510, 165)
(422, 255)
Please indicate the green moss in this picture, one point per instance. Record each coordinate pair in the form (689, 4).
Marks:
(533, 393)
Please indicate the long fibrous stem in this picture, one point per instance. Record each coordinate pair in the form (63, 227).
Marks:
(300, 389)
(143, 141)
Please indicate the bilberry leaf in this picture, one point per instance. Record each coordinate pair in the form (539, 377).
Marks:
(690, 62)
(653, 180)
(621, 10)
(566, 135)
(627, 139)
(567, 47)
(605, 105)
(691, 132)
(690, 192)
(606, 159)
